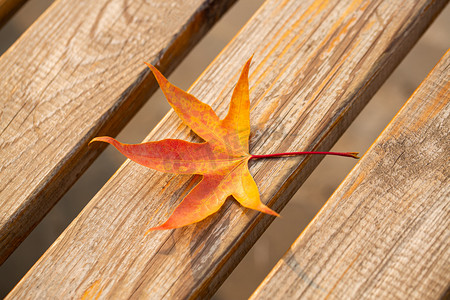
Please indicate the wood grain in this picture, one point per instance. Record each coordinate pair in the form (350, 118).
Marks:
(315, 66)
(8, 8)
(76, 73)
(384, 233)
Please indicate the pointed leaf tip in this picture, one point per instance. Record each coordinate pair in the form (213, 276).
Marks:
(150, 66)
(105, 139)
(155, 229)
(265, 209)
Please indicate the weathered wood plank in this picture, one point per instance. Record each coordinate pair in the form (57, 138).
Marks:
(76, 73)
(384, 233)
(315, 66)
(8, 8)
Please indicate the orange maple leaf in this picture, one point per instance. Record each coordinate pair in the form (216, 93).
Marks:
(222, 159)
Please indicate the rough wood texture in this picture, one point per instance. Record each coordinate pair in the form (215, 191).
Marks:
(8, 8)
(76, 73)
(384, 234)
(315, 66)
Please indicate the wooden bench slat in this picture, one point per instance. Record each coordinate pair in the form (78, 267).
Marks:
(315, 66)
(76, 73)
(8, 8)
(384, 233)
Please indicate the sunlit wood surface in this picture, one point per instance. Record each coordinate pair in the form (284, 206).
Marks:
(384, 234)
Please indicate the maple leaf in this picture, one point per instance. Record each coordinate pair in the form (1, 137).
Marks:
(222, 159)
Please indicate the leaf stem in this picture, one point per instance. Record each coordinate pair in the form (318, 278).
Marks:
(346, 154)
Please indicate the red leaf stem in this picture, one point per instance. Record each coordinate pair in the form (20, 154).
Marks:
(347, 154)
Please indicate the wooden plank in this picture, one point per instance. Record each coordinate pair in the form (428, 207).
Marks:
(384, 233)
(8, 8)
(76, 73)
(315, 66)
